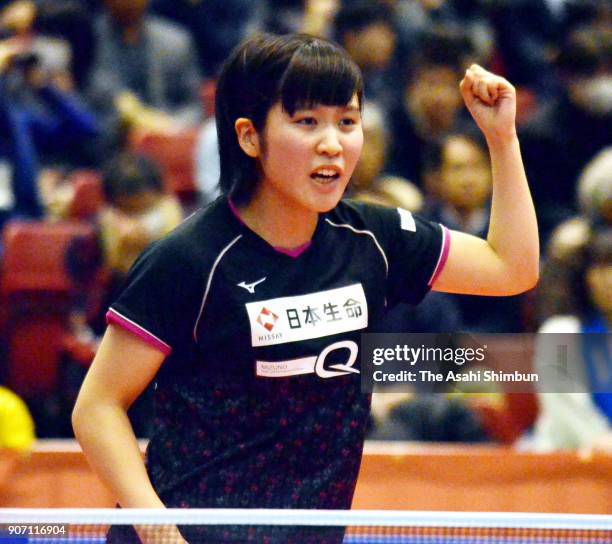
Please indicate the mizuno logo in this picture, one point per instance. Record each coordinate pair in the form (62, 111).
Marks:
(250, 287)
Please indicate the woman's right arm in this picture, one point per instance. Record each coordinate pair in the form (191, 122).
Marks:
(121, 370)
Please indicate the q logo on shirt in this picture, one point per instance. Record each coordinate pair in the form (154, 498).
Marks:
(340, 370)
(313, 364)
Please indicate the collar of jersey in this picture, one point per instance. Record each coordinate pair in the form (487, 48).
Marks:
(258, 240)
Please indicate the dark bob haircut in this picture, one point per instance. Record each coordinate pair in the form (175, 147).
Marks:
(299, 71)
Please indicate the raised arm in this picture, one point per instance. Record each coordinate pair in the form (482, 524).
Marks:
(507, 262)
(122, 368)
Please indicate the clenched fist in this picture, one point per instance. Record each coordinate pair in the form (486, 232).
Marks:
(491, 100)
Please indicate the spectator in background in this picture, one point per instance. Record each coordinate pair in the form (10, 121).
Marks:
(18, 159)
(571, 14)
(526, 32)
(68, 21)
(594, 194)
(145, 71)
(572, 419)
(62, 127)
(463, 171)
(367, 31)
(369, 183)
(463, 183)
(216, 26)
(569, 131)
(431, 104)
(283, 16)
(417, 17)
(138, 211)
(40, 84)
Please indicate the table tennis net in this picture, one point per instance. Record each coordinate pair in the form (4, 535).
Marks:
(212, 526)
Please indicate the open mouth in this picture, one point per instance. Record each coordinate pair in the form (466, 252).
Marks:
(325, 175)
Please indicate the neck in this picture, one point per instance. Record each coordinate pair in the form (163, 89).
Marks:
(278, 222)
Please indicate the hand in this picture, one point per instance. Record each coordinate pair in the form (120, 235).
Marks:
(491, 100)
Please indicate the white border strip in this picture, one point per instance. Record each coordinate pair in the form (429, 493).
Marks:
(353, 518)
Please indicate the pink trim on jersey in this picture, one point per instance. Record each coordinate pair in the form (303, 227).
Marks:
(296, 251)
(444, 251)
(113, 317)
(293, 253)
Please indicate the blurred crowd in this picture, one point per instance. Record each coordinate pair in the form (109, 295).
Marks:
(107, 120)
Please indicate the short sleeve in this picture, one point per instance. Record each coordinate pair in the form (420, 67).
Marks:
(416, 251)
(157, 300)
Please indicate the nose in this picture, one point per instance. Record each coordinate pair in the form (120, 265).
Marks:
(329, 142)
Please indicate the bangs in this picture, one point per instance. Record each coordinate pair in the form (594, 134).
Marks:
(319, 73)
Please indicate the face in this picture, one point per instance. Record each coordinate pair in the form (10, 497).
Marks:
(433, 100)
(464, 175)
(307, 158)
(372, 47)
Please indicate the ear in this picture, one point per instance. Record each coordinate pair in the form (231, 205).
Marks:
(248, 139)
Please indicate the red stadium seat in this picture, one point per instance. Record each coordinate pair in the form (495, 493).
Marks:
(36, 296)
(174, 154)
(88, 195)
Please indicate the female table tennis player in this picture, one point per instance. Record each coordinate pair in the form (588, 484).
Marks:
(248, 315)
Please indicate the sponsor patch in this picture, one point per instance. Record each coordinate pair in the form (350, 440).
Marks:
(315, 315)
(313, 365)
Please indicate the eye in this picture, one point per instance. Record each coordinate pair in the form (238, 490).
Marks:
(348, 122)
(307, 121)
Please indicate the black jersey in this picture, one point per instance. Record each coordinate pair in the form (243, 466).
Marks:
(258, 404)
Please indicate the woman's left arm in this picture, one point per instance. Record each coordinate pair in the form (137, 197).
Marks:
(507, 262)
